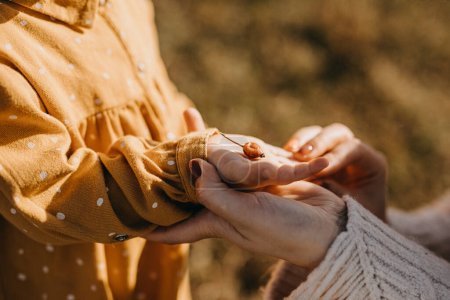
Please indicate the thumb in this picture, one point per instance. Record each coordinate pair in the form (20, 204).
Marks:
(217, 196)
(200, 226)
(194, 120)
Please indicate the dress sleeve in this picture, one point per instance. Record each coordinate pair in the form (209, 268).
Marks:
(59, 195)
(372, 261)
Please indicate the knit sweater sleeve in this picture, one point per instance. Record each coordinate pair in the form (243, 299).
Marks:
(428, 225)
(372, 261)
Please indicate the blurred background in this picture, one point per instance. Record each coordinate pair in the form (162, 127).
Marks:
(268, 67)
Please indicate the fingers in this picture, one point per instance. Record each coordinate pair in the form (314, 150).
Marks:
(342, 156)
(299, 138)
(261, 173)
(323, 195)
(198, 227)
(201, 226)
(324, 141)
(351, 151)
(300, 189)
(194, 120)
(239, 171)
(217, 196)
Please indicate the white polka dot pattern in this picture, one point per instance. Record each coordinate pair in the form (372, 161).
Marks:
(60, 216)
(43, 175)
(100, 201)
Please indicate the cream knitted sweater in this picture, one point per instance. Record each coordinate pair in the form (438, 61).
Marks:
(370, 260)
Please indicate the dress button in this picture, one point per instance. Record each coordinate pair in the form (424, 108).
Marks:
(121, 237)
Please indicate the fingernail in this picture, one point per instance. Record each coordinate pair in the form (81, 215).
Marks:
(306, 149)
(293, 147)
(195, 168)
(318, 165)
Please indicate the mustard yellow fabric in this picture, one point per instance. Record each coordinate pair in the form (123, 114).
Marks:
(93, 149)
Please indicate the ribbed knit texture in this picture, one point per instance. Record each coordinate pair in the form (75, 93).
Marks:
(370, 260)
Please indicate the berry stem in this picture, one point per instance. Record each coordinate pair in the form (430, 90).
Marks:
(231, 140)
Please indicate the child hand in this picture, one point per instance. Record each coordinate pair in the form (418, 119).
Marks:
(275, 168)
(236, 169)
(193, 119)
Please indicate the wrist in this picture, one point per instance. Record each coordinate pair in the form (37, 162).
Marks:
(332, 230)
(214, 139)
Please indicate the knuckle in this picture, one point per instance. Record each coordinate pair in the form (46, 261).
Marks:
(342, 128)
(265, 174)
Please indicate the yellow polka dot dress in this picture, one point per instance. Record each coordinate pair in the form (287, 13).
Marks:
(93, 153)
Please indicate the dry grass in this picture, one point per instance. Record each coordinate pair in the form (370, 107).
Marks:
(268, 67)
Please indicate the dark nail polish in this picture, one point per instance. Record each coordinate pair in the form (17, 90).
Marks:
(195, 168)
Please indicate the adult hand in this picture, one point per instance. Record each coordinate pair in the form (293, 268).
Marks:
(298, 228)
(354, 167)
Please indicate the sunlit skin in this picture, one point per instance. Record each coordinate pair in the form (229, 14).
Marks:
(298, 227)
(296, 222)
(354, 168)
(277, 167)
